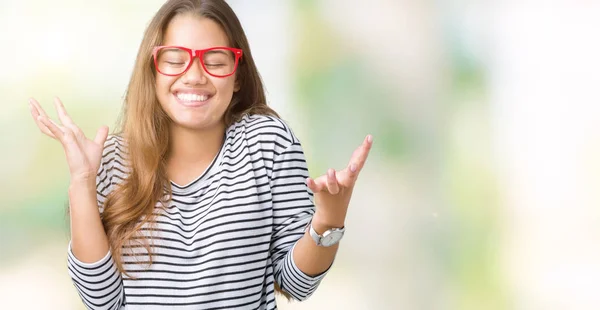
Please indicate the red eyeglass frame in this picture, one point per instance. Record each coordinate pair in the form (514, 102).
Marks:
(198, 53)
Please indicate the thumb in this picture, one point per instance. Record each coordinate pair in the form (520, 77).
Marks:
(101, 135)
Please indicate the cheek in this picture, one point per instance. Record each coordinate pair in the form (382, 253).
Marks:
(224, 86)
(163, 85)
(163, 90)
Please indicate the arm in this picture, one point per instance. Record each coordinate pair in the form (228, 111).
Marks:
(95, 276)
(311, 258)
(332, 192)
(90, 264)
(307, 263)
(88, 239)
(299, 265)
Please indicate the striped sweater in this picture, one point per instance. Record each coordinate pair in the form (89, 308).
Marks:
(224, 238)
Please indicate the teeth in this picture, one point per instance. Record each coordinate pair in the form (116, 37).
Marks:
(192, 97)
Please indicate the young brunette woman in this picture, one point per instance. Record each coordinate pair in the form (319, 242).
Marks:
(201, 199)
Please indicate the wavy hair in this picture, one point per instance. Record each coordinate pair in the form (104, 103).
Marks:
(145, 126)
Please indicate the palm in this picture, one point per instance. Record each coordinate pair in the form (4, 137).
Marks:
(83, 154)
(88, 152)
(93, 152)
(333, 190)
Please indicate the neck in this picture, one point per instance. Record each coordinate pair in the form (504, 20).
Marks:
(187, 146)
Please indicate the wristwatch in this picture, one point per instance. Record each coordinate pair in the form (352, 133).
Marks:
(330, 237)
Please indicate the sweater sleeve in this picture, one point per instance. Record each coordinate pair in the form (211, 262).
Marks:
(293, 209)
(99, 284)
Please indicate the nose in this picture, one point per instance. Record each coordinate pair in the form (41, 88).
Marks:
(195, 75)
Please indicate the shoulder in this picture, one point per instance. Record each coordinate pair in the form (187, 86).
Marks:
(114, 156)
(264, 128)
(114, 148)
(113, 143)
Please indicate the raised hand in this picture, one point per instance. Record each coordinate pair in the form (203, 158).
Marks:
(334, 189)
(83, 155)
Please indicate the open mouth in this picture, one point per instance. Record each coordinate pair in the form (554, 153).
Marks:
(192, 99)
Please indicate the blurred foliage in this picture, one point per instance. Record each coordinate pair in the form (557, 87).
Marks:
(340, 99)
(470, 187)
(333, 87)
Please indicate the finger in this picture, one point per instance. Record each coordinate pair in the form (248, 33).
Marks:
(41, 126)
(53, 127)
(314, 186)
(348, 176)
(101, 135)
(38, 107)
(332, 183)
(359, 157)
(64, 118)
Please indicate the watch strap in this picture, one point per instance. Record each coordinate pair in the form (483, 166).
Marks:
(317, 238)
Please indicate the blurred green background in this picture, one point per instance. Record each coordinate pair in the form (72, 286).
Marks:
(481, 190)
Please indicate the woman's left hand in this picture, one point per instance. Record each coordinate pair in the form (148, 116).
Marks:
(334, 189)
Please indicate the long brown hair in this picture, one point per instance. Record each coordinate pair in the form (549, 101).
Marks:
(145, 126)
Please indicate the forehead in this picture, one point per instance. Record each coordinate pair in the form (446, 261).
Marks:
(194, 32)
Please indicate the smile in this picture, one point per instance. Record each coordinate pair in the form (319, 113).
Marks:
(191, 99)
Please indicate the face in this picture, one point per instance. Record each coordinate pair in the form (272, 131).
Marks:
(195, 99)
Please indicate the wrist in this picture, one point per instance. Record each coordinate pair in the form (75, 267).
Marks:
(321, 224)
(82, 185)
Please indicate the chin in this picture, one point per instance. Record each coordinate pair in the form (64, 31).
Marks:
(200, 122)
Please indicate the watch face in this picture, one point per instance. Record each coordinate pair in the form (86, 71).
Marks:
(331, 238)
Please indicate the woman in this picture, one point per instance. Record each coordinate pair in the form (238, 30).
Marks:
(201, 199)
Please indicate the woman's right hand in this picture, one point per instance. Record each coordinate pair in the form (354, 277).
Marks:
(83, 155)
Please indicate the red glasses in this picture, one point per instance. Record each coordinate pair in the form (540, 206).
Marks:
(216, 61)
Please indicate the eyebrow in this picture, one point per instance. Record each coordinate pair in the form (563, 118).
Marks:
(216, 52)
(173, 49)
